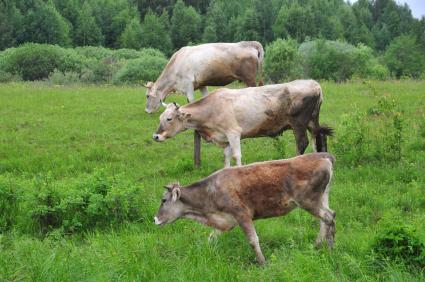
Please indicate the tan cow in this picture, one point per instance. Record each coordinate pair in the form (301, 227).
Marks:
(213, 64)
(225, 116)
(239, 195)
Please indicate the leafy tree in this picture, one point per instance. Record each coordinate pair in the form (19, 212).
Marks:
(87, 31)
(132, 35)
(295, 22)
(44, 24)
(185, 25)
(121, 20)
(10, 25)
(248, 26)
(404, 57)
(282, 60)
(155, 32)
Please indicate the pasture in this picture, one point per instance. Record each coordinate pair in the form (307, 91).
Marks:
(81, 180)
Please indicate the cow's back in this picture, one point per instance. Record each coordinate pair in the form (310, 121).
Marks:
(268, 110)
(215, 64)
(273, 188)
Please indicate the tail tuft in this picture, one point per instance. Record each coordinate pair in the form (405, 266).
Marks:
(326, 130)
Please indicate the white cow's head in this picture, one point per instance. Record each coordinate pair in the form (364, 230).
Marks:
(171, 122)
(153, 101)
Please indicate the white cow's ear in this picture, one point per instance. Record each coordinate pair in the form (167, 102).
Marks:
(148, 85)
(176, 194)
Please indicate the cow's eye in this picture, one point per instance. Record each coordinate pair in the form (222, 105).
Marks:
(163, 201)
(169, 119)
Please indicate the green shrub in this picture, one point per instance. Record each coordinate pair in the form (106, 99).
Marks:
(94, 52)
(97, 201)
(281, 61)
(146, 68)
(9, 203)
(36, 61)
(59, 78)
(401, 245)
(8, 77)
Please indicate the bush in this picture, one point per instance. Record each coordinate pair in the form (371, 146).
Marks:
(281, 60)
(59, 78)
(401, 245)
(36, 61)
(356, 143)
(146, 68)
(9, 203)
(97, 201)
(404, 57)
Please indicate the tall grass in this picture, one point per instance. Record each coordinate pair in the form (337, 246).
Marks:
(81, 179)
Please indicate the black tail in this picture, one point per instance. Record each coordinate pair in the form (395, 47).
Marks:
(321, 138)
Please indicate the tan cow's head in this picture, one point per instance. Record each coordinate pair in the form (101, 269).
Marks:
(153, 102)
(171, 122)
(171, 207)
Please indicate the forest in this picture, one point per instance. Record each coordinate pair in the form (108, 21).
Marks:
(302, 38)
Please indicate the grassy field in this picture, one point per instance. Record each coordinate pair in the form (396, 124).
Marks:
(58, 140)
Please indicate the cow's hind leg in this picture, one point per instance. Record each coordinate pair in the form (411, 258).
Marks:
(301, 139)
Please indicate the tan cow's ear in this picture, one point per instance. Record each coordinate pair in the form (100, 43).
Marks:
(183, 115)
(176, 193)
(169, 187)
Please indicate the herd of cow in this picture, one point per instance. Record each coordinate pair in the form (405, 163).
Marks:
(238, 195)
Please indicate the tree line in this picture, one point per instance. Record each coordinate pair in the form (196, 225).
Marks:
(168, 24)
(320, 39)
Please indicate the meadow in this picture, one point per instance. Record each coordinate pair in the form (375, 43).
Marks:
(81, 180)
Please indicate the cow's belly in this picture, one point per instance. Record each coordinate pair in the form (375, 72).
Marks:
(221, 220)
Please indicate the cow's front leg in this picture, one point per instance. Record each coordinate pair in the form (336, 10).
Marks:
(248, 228)
(214, 235)
(227, 156)
(190, 94)
(235, 144)
(204, 91)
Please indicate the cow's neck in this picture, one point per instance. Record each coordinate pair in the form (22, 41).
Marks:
(196, 201)
(198, 116)
(163, 88)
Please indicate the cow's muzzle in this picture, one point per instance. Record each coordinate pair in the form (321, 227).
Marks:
(158, 137)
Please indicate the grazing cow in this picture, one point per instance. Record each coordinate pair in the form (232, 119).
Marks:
(227, 115)
(238, 195)
(213, 64)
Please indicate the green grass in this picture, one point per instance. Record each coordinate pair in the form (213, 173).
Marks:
(70, 133)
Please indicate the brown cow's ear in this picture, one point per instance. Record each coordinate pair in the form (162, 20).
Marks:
(176, 194)
(169, 187)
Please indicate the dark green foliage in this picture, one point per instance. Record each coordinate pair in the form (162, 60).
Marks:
(10, 25)
(155, 32)
(400, 244)
(44, 24)
(282, 60)
(132, 35)
(294, 21)
(404, 57)
(185, 25)
(86, 31)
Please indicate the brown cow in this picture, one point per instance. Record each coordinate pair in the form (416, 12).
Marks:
(228, 115)
(212, 64)
(239, 195)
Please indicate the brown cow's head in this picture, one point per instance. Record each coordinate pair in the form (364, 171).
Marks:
(171, 122)
(153, 102)
(171, 207)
